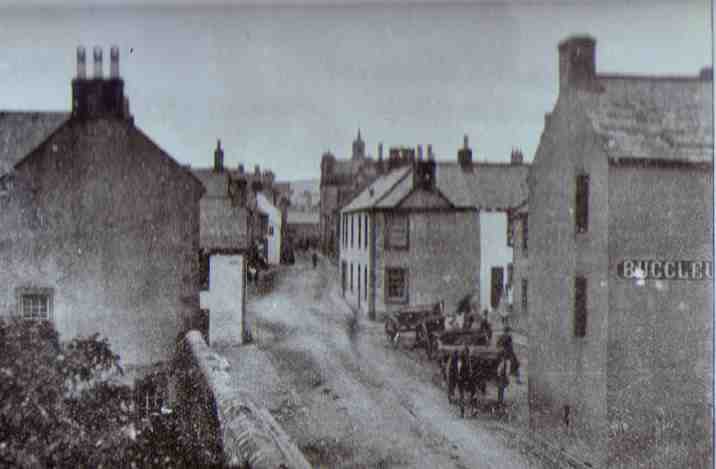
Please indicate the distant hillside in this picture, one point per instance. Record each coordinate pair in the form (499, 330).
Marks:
(305, 192)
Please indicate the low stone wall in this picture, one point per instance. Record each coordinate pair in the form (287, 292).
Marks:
(217, 413)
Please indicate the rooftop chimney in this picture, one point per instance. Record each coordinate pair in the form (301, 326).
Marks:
(380, 151)
(81, 63)
(97, 62)
(464, 155)
(516, 156)
(577, 57)
(114, 62)
(218, 158)
(98, 97)
(257, 170)
(431, 157)
(706, 73)
(420, 153)
(241, 169)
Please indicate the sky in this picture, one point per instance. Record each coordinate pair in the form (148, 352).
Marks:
(281, 84)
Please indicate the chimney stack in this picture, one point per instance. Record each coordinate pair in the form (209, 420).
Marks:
(380, 151)
(257, 170)
(114, 62)
(420, 152)
(464, 155)
(577, 59)
(241, 169)
(81, 63)
(516, 156)
(97, 62)
(431, 157)
(218, 158)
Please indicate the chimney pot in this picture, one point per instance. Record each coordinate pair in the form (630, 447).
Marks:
(420, 153)
(218, 157)
(97, 62)
(706, 73)
(431, 157)
(577, 59)
(81, 63)
(380, 151)
(241, 169)
(257, 170)
(114, 62)
(465, 142)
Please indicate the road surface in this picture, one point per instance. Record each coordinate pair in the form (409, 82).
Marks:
(359, 403)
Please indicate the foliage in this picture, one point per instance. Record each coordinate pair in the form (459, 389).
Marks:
(56, 411)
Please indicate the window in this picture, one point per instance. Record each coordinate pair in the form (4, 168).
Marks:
(496, 286)
(580, 307)
(524, 296)
(365, 283)
(359, 276)
(34, 304)
(582, 204)
(510, 274)
(351, 276)
(360, 229)
(366, 230)
(352, 231)
(396, 236)
(396, 285)
(525, 233)
(510, 228)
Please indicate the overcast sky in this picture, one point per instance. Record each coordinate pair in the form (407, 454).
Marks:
(280, 85)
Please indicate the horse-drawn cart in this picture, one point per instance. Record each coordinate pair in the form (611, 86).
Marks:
(468, 361)
(419, 319)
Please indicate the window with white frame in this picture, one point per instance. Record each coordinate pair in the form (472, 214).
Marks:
(396, 285)
(34, 304)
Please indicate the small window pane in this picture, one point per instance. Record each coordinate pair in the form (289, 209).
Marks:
(396, 285)
(397, 233)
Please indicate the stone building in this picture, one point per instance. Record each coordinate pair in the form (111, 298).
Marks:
(341, 180)
(99, 227)
(401, 238)
(518, 239)
(238, 212)
(620, 265)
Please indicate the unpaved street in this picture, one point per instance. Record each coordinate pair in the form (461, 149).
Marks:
(359, 403)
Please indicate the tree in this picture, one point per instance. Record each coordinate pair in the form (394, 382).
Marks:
(57, 411)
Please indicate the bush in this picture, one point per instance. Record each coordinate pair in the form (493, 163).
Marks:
(56, 411)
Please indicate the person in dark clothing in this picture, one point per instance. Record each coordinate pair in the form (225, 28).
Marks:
(315, 260)
(505, 342)
(485, 326)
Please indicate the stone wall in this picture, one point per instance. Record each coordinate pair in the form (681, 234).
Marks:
(217, 412)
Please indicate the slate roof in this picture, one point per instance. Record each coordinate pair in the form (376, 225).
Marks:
(653, 118)
(22, 131)
(215, 183)
(294, 217)
(497, 186)
(485, 186)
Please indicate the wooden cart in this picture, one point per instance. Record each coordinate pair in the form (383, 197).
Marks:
(418, 319)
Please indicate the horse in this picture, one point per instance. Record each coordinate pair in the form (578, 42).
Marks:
(461, 378)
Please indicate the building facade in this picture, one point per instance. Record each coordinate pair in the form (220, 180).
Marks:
(100, 226)
(410, 238)
(620, 263)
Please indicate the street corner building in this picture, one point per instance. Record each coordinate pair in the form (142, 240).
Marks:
(413, 236)
(99, 227)
(620, 263)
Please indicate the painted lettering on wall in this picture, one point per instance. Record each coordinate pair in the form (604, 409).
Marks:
(659, 269)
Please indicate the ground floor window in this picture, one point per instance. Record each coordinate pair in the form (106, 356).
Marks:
(351, 277)
(365, 283)
(396, 285)
(35, 304)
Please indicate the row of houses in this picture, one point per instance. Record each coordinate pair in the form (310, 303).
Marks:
(102, 231)
(612, 234)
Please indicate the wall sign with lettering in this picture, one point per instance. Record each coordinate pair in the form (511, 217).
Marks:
(659, 269)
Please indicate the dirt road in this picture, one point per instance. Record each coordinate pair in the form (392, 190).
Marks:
(358, 402)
